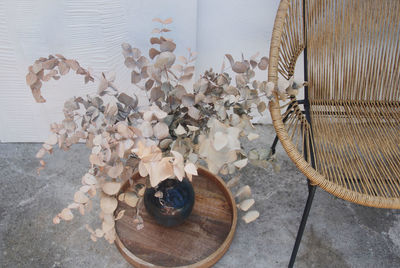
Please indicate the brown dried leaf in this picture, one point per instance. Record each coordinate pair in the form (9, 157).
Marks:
(186, 77)
(63, 68)
(135, 77)
(36, 92)
(130, 63)
(73, 64)
(157, 20)
(31, 78)
(155, 40)
(167, 46)
(167, 21)
(261, 107)
(50, 64)
(263, 64)
(230, 58)
(153, 52)
(239, 67)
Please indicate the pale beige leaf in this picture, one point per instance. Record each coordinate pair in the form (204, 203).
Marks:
(165, 59)
(161, 130)
(243, 193)
(191, 168)
(116, 170)
(111, 109)
(147, 129)
(96, 160)
(142, 191)
(194, 113)
(81, 209)
(246, 204)
(120, 214)
(167, 21)
(56, 220)
(66, 214)
(131, 199)
(85, 188)
(41, 153)
(89, 179)
(233, 182)
(220, 140)
(106, 226)
(251, 216)
(182, 59)
(99, 233)
(253, 136)
(121, 197)
(192, 128)
(80, 197)
(108, 204)
(241, 163)
(73, 206)
(52, 140)
(180, 130)
(111, 188)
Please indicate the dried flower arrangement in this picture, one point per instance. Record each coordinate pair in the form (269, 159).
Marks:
(166, 137)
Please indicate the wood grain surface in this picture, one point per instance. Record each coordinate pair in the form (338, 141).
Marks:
(199, 242)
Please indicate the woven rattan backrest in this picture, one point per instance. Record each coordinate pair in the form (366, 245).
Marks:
(353, 49)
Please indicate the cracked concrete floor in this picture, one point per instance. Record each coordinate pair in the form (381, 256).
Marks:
(338, 233)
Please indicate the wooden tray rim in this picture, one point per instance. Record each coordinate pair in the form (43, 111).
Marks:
(208, 261)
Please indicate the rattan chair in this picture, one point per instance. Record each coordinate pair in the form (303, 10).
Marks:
(344, 134)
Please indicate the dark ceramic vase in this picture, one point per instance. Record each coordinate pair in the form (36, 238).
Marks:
(174, 206)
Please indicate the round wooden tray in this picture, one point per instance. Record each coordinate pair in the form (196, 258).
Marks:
(199, 242)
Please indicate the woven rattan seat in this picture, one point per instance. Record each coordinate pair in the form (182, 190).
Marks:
(353, 96)
(344, 134)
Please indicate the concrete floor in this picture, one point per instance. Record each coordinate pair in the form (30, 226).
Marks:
(338, 234)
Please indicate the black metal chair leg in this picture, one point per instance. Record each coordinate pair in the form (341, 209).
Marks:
(311, 192)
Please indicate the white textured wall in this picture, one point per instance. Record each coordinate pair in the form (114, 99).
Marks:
(91, 31)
